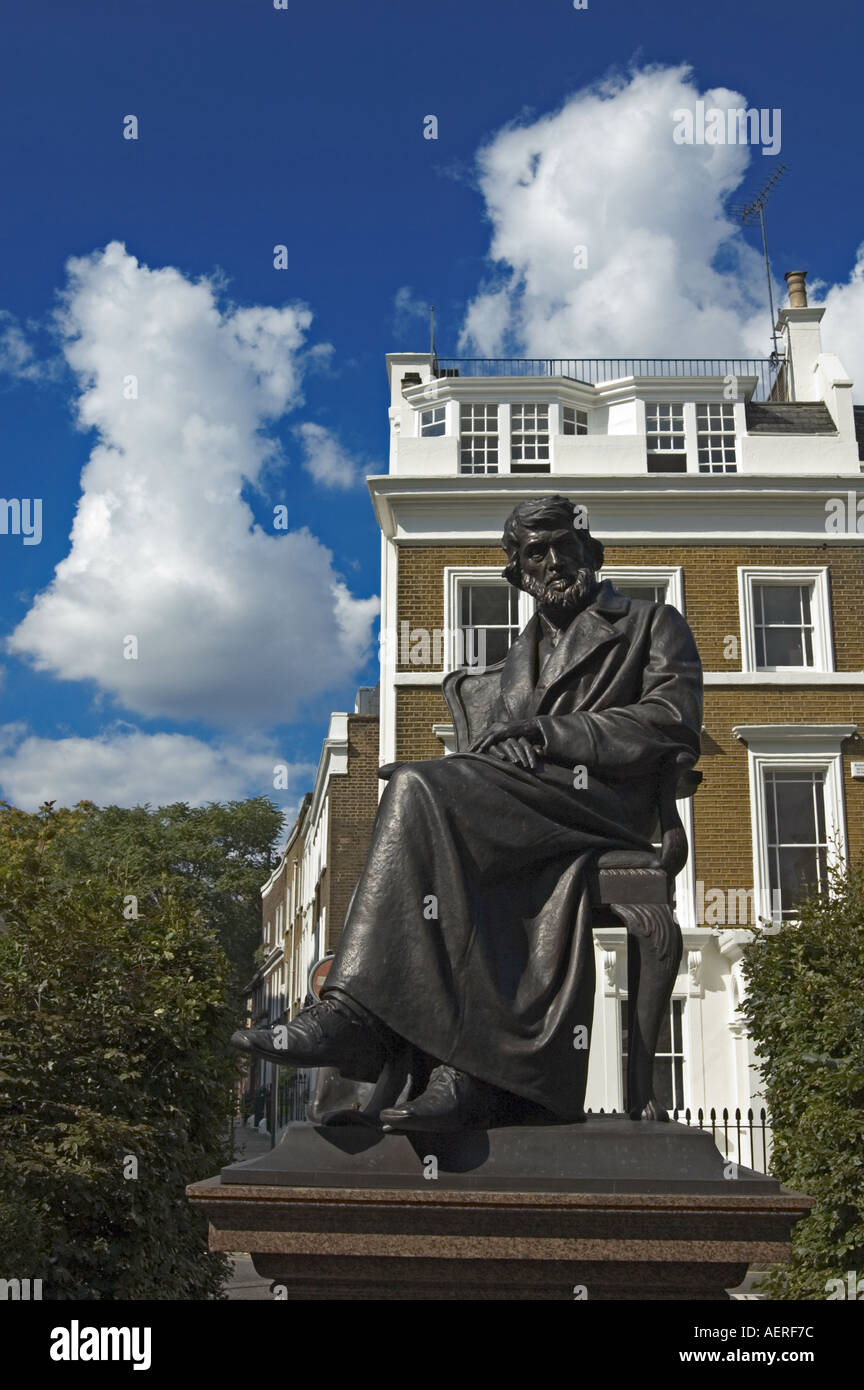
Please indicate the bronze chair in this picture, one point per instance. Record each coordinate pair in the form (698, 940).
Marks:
(635, 887)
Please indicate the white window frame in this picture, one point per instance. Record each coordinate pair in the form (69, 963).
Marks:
(726, 467)
(820, 611)
(536, 465)
(424, 409)
(663, 433)
(502, 447)
(813, 748)
(454, 577)
(576, 432)
(668, 434)
(670, 575)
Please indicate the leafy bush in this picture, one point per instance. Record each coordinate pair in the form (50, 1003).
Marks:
(805, 1010)
(116, 1074)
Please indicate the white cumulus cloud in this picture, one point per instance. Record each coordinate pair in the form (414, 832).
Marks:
(17, 356)
(126, 767)
(603, 173)
(407, 309)
(233, 625)
(326, 459)
(843, 325)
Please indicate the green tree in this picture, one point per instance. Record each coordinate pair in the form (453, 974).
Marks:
(216, 857)
(805, 1010)
(116, 1073)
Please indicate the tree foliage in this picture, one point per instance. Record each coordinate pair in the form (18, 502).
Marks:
(216, 857)
(805, 1010)
(116, 1072)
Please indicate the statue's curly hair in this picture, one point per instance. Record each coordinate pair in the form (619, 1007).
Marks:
(555, 511)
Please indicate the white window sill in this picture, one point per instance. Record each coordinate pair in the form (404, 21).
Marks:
(797, 676)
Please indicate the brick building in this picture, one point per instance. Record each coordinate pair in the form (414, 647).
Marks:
(731, 489)
(305, 899)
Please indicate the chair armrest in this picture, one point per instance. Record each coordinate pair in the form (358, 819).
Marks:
(386, 770)
(688, 783)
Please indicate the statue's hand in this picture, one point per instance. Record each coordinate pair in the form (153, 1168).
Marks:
(516, 742)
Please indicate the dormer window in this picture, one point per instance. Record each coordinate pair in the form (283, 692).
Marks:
(667, 449)
(529, 439)
(433, 422)
(573, 421)
(715, 438)
(478, 442)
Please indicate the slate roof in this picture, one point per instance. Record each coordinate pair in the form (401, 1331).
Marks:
(859, 429)
(789, 417)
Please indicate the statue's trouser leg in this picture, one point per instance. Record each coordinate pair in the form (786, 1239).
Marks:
(654, 946)
(359, 1011)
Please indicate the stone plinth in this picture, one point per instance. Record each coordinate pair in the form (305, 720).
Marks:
(617, 1208)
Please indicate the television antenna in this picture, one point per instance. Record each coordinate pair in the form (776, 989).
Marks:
(746, 214)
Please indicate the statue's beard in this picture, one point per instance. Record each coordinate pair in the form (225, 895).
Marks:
(575, 595)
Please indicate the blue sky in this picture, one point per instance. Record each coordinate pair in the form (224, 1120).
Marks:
(304, 127)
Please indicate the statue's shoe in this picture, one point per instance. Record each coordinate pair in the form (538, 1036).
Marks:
(322, 1035)
(453, 1100)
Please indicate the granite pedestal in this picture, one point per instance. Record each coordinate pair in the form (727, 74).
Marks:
(609, 1209)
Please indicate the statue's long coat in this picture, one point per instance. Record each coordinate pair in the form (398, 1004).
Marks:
(469, 931)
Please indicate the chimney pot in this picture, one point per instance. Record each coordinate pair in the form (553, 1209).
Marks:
(795, 279)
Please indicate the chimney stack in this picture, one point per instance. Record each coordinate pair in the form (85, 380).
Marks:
(795, 279)
(799, 325)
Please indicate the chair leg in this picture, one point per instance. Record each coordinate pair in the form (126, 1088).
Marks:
(654, 946)
(340, 1102)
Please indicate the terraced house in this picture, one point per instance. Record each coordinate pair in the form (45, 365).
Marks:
(305, 899)
(730, 489)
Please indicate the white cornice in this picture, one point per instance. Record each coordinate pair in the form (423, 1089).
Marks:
(265, 887)
(295, 831)
(736, 508)
(511, 388)
(268, 965)
(569, 390)
(791, 738)
(332, 763)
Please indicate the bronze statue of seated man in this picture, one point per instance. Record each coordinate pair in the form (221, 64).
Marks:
(469, 934)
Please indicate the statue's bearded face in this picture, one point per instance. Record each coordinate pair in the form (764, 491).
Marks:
(555, 568)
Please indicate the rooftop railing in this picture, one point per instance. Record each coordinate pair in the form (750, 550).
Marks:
(591, 371)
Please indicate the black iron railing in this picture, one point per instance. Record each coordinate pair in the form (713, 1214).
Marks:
(768, 374)
(292, 1097)
(743, 1138)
